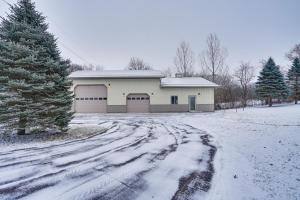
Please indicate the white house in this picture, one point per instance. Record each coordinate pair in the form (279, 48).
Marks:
(119, 91)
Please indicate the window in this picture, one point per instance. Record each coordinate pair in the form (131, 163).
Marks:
(128, 98)
(143, 98)
(91, 98)
(82, 99)
(77, 99)
(104, 98)
(86, 98)
(95, 98)
(138, 98)
(147, 98)
(174, 99)
(133, 98)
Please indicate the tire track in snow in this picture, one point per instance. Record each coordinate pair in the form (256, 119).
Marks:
(124, 156)
(52, 157)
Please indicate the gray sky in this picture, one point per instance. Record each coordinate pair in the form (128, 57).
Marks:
(108, 33)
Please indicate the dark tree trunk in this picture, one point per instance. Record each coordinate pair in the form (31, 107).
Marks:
(21, 131)
(22, 125)
(297, 90)
(244, 101)
(270, 102)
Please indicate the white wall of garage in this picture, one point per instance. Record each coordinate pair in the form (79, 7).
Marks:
(118, 89)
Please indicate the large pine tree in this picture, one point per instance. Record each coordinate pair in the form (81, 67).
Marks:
(42, 87)
(294, 79)
(271, 83)
(17, 107)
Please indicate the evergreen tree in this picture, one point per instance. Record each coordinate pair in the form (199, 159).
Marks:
(294, 79)
(271, 83)
(15, 81)
(43, 81)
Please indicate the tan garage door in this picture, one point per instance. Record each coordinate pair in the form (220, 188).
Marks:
(90, 99)
(138, 103)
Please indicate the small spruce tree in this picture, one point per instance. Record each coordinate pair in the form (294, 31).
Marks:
(294, 79)
(271, 83)
(45, 82)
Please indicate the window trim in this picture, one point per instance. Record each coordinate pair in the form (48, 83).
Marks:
(174, 99)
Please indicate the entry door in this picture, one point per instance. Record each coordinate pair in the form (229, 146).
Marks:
(192, 103)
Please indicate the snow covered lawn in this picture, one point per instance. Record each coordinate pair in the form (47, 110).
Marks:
(226, 155)
(258, 146)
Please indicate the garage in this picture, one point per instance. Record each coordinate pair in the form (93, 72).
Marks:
(91, 99)
(138, 103)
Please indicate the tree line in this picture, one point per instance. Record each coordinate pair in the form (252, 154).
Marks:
(239, 86)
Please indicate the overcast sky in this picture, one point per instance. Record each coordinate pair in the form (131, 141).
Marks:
(108, 33)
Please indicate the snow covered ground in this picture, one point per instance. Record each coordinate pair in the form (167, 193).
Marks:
(261, 146)
(226, 155)
(136, 158)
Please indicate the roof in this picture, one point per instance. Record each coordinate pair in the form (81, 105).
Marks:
(187, 82)
(117, 74)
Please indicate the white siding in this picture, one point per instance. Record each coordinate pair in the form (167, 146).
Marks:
(118, 89)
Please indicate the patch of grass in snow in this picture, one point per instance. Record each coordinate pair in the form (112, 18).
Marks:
(73, 133)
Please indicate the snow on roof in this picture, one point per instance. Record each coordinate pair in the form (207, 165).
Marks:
(117, 74)
(165, 82)
(187, 82)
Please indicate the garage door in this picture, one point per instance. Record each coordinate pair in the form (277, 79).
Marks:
(90, 99)
(138, 103)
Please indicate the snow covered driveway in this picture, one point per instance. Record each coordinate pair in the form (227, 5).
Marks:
(137, 157)
(226, 155)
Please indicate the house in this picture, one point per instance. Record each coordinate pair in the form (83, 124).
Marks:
(119, 91)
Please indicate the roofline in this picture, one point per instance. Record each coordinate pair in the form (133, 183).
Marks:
(189, 86)
(119, 77)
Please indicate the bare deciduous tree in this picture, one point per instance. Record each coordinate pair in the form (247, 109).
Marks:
(294, 52)
(244, 75)
(137, 64)
(184, 59)
(92, 67)
(167, 72)
(75, 67)
(212, 59)
(227, 94)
